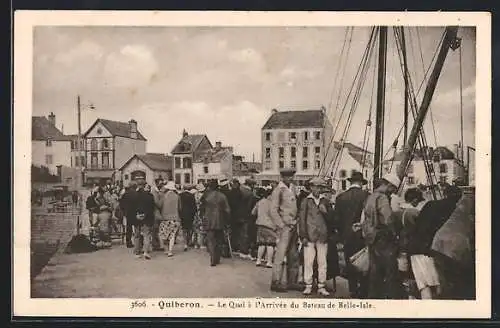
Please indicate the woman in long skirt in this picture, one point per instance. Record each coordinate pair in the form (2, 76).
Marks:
(171, 221)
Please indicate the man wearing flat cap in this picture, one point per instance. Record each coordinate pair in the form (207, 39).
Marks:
(347, 212)
(141, 213)
(284, 215)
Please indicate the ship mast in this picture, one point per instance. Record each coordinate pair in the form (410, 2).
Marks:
(449, 39)
(380, 110)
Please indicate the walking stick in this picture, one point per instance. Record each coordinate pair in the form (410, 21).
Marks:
(229, 244)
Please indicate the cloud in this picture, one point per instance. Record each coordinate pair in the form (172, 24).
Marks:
(237, 124)
(131, 67)
(84, 50)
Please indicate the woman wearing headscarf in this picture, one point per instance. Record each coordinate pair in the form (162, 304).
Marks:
(171, 221)
(198, 232)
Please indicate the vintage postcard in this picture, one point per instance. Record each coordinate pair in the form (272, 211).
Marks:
(252, 164)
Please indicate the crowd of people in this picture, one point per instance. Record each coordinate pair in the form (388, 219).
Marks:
(414, 247)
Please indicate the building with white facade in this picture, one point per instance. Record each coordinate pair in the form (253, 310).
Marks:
(215, 163)
(352, 158)
(184, 153)
(49, 146)
(154, 165)
(295, 139)
(108, 145)
(444, 167)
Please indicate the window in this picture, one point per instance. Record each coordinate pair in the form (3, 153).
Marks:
(268, 136)
(93, 144)
(282, 164)
(293, 164)
(105, 160)
(317, 151)
(443, 179)
(71, 161)
(342, 174)
(344, 184)
(305, 165)
(268, 153)
(443, 168)
(267, 165)
(282, 152)
(409, 169)
(93, 161)
(82, 160)
(48, 143)
(82, 144)
(317, 165)
(317, 135)
(306, 135)
(186, 163)
(205, 169)
(73, 145)
(293, 136)
(105, 144)
(305, 152)
(293, 152)
(411, 180)
(177, 163)
(126, 177)
(48, 159)
(177, 178)
(187, 178)
(77, 161)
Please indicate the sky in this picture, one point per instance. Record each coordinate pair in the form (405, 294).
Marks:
(224, 81)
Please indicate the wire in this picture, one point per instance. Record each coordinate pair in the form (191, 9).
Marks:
(363, 58)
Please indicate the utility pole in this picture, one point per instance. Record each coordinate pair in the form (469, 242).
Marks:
(79, 138)
(449, 39)
(380, 112)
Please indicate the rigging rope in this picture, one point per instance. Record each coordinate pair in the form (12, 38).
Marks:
(368, 126)
(363, 58)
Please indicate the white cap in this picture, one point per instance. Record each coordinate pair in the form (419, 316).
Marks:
(392, 179)
(170, 186)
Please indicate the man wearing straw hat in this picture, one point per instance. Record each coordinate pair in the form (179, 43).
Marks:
(380, 236)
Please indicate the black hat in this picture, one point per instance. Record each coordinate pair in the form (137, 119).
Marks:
(287, 172)
(357, 176)
(413, 194)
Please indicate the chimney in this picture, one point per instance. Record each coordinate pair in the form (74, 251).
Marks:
(323, 109)
(274, 111)
(184, 133)
(133, 128)
(218, 145)
(52, 119)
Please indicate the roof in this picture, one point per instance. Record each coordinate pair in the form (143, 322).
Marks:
(356, 152)
(440, 151)
(42, 129)
(188, 143)
(246, 168)
(116, 128)
(295, 119)
(214, 155)
(155, 161)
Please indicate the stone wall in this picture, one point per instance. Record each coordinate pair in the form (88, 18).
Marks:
(50, 233)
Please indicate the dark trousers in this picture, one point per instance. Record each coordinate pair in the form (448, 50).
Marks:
(358, 283)
(215, 239)
(155, 238)
(384, 278)
(240, 237)
(128, 234)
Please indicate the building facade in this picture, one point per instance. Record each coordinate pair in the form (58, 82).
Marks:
(154, 165)
(443, 165)
(108, 145)
(184, 153)
(243, 170)
(295, 139)
(352, 158)
(213, 163)
(49, 146)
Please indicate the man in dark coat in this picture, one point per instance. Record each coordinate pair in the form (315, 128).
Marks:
(124, 202)
(214, 209)
(141, 214)
(243, 201)
(348, 208)
(187, 213)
